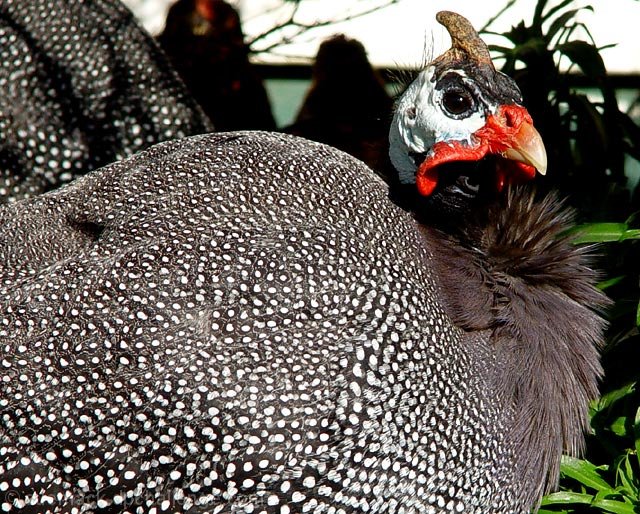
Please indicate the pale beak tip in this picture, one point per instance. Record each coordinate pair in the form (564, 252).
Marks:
(542, 167)
(528, 148)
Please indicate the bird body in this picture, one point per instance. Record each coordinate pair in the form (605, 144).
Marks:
(236, 322)
(246, 322)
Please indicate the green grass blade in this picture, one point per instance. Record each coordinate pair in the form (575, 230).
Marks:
(612, 397)
(584, 472)
(605, 284)
(631, 234)
(599, 232)
(615, 507)
(636, 434)
(567, 498)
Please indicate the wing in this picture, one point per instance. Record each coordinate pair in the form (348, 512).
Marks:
(237, 321)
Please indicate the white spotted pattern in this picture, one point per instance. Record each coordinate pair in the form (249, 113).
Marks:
(81, 85)
(236, 323)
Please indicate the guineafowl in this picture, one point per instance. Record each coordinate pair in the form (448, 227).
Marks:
(81, 86)
(247, 322)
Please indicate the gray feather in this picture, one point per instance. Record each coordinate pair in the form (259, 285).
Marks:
(512, 273)
(239, 323)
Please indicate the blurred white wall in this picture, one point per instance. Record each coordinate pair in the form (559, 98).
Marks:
(406, 33)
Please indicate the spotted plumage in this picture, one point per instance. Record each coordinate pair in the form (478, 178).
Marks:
(247, 323)
(81, 85)
(238, 323)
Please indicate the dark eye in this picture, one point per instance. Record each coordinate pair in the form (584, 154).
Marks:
(457, 102)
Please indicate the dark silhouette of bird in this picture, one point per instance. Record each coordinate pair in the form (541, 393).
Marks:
(81, 86)
(346, 105)
(205, 42)
(245, 322)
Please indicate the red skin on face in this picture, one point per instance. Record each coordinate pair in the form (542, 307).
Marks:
(500, 133)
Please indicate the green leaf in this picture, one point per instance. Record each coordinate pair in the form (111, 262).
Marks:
(628, 475)
(598, 232)
(631, 234)
(533, 46)
(636, 436)
(501, 49)
(584, 472)
(561, 22)
(606, 284)
(619, 426)
(602, 233)
(618, 336)
(633, 218)
(625, 476)
(537, 13)
(612, 397)
(638, 315)
(561, 6)
(615, 507)
(609, 494)
(567, 498)
(594, 142)
(586, 56)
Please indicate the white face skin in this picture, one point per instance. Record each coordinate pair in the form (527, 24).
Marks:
(420, 121)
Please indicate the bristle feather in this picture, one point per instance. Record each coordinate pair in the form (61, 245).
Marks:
(535, 290)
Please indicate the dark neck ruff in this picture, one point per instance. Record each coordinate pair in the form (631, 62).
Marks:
(509, 270)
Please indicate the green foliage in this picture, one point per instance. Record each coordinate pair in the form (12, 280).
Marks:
(589, 138)
(589, 141)
(613, 487)
(604, 233)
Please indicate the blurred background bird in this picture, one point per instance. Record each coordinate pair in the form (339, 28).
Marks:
(347, 105)
(81, 85)
(205, 43)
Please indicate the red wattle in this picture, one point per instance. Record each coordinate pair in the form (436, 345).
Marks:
(427, 181)
(441, 153)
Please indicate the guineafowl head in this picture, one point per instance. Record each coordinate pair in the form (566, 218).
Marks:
(460, 130)
(463, 144)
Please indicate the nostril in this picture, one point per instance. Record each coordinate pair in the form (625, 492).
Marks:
(510, 119)
(507, 118)
(512, 116)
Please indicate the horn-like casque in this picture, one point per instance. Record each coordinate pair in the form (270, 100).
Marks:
(465, 41)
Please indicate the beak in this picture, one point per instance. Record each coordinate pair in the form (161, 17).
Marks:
(528, 148)
(508, 133)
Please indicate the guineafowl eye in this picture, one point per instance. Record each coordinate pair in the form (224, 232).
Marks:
(457, 102)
